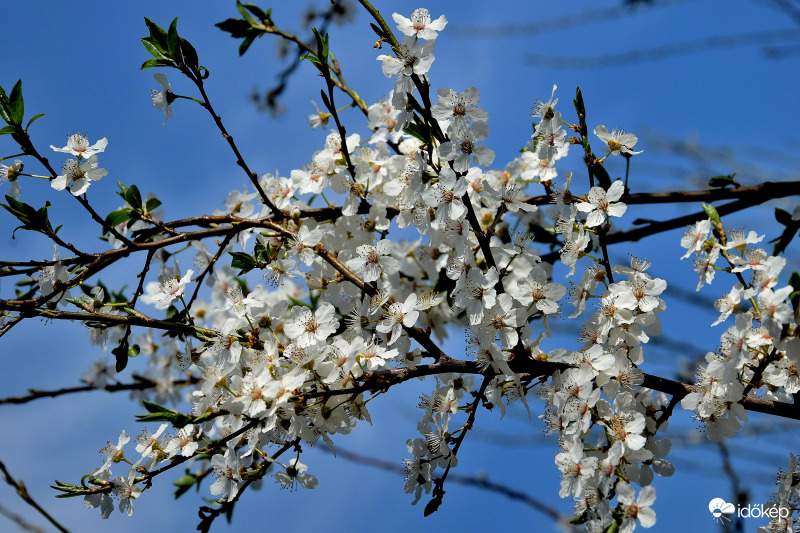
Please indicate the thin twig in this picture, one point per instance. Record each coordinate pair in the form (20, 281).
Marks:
(22, 492)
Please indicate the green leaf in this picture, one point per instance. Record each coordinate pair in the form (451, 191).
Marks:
(151, 63)
(158, 37)
(134, 350)
(322, 45)
(17, 106)
(69, 490)
(248, 40)
(34, 119)
(32, 219)
(121, 355)
(189, 55)
(152, 204)
(174, 43)
(580, 519)
(243, 261)
(783, 217)
(789, 231)
(723, 181)
(794, 281)
(418, 130)
(153, 49)
(159, 413)
(238, 28)
(183, 481)
(580, 107)
(712, 214)
(6, 130)
(247, 16)
(258, 12)
(377, 30)
(4, 106)
(783, 241)
(115, 218)
(133, 197)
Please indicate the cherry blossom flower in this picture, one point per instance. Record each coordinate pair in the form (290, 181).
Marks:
(617, 142)
(226, 469)
(163, 99)
(460, 107)
(636, 509)
(295, 473)
(309, 327)
(162, 294)
(373, 261)
(78, 145)
(601, 203)
(445, 196)
(413, 57)
(54, 278)
(397, 316)
(126, 490)
(11, 175)
(114, 453)
(463, 146)
(544, 110)
(478, 294)
(183, 443)
(694, 237)
(78, 176)
(420, 25)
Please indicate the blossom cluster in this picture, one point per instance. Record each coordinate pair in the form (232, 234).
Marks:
(79, 173)
(759, 354)
(344, 311)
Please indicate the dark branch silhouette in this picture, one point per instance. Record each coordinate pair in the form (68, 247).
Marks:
(658, 53)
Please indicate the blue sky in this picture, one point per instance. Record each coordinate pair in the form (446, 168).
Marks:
(80, 66)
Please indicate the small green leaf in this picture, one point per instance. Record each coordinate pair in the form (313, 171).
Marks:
(247, 16)
(783, 217)
(723, 181)
(238, 28)
(121, 355)
(4, 106)
(377, 30)
(712, 214)
(17, 106)
(153, 49)
(151, 63)
(580, 519)
(794, 281)
(189, 55)
(580, 107)
(115, 218)
(158, 37)
(248, 40)
(6, 130)
(32, 120)
(133, 197)
(134, 350)
(184, 483)
(418, 130)
(152, 204)
(174, 43)
(243, 261)
(258, 12)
